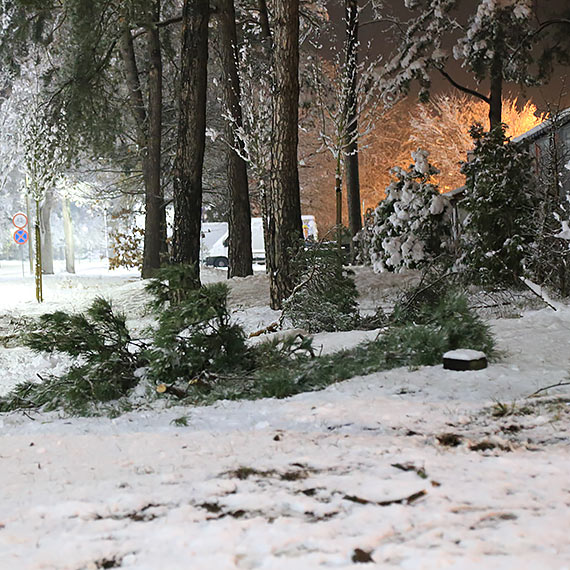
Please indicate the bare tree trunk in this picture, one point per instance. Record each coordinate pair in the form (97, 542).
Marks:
(45, 232)
(191, 135)
(338, 198)
(68, 233)
(284, 205)
(153, 196)
(351, 144)
(239, 250)
(264, 19)
(496, 79)
(148, 128)
(132, 77)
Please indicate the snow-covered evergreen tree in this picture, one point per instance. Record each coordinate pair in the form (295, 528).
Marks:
(496, 44)
(499, 227)
(411, 227)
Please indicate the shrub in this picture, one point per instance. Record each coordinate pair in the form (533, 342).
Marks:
(411, 226)
(499, 228)
(127, 249)
(324, 298)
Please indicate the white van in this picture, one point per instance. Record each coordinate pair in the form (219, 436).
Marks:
(214, 242)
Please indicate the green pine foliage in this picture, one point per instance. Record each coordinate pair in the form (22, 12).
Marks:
(195, 333)
(104, 360)
(324, 298)
(499, 228)
(198, 355)
(440, 321)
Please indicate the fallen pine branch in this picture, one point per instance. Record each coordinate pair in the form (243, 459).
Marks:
(273, 327)
(420, 471)
(534, 289)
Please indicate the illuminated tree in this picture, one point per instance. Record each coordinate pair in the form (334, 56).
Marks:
(442, 127)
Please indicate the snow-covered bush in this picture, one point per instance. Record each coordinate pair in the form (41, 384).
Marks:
(501, 208)
(412, 225)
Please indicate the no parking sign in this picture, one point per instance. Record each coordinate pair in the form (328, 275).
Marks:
(20, 220)
(20, 236)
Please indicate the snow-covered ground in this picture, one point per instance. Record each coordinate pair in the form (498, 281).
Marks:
(412, 469)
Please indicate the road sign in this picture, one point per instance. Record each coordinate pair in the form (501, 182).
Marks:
(20, 236)
(20, 220)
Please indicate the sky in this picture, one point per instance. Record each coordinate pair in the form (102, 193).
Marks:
(373, 37)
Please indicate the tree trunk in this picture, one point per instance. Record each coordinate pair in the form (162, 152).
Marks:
(351, 143)
(148, 129)
(191, 136)
(137, 107)
(239, 250)
(338, 198)
(283, 201)
(68, 233)
(264, 19)
(153, 191)
(45, 232)
(496, 80)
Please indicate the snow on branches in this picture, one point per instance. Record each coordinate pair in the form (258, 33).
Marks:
(411, 227)
(496, 40)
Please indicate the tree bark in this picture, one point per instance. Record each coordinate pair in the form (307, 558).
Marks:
(148, 129)
(496, 80)
(68, 233)
(191, 136)
(351, 142)
(284, 230)
(239, 249)
(338, 198)
(264, 19)
(132, 77)
(45, 232)
(154, 200)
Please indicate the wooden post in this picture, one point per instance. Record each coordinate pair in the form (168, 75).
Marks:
(39, 284)
(30, 240)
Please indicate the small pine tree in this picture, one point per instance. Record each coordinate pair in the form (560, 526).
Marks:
(411, 226)
(499, 229)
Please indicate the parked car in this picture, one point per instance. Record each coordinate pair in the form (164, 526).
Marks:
(215, 237)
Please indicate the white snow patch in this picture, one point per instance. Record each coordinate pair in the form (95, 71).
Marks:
(464, 354)
(300, 482)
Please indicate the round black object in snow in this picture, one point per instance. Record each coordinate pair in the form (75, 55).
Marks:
(464, 359)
